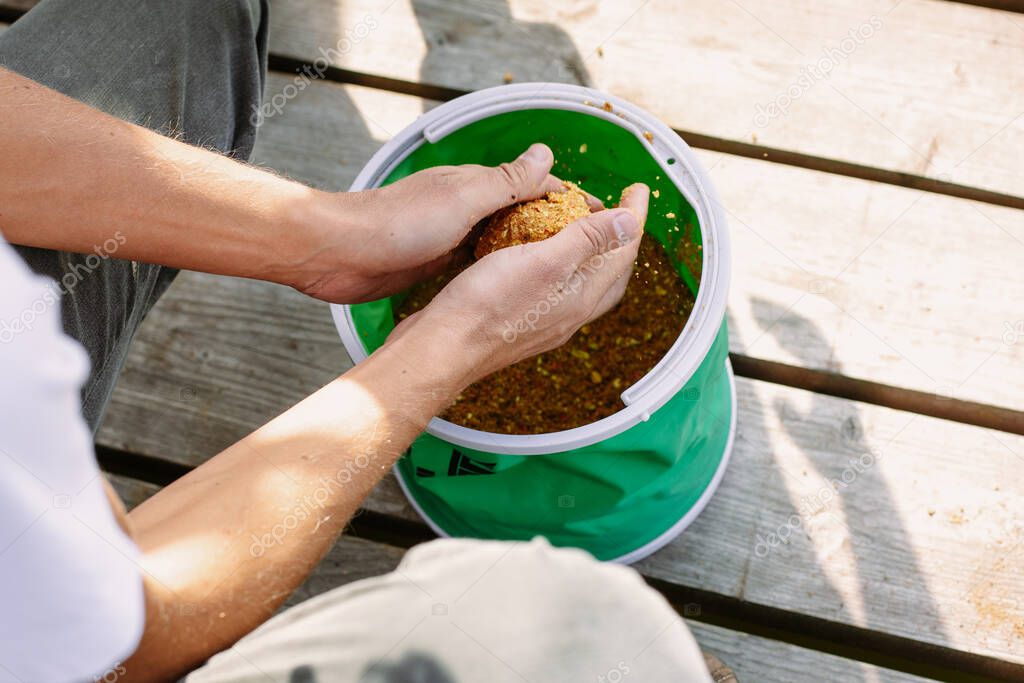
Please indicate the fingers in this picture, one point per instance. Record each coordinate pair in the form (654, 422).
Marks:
(555, 184)
(602, 232)
(610, 273)
(528, 177)
(636, 198)
(594, 235)
(551, 184)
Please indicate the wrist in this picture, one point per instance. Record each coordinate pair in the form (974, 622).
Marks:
(291, 255)
(324, 248)
(431, 362)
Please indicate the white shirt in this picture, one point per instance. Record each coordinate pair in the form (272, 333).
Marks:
(71, 599)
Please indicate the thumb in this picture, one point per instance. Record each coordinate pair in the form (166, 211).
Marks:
(596, 234)
(527, 177)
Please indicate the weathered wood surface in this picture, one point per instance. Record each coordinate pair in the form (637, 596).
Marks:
(752, 658)
(832, 273)
(935, 89)
(896, 553)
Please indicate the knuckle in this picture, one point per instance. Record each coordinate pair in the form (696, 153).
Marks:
(515, 174)
(592, 234)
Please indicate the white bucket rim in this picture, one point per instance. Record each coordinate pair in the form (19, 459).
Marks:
(687, 353)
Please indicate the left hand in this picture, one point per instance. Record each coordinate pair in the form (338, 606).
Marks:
(402, 233)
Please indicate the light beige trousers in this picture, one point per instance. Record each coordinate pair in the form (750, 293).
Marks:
(463, 611)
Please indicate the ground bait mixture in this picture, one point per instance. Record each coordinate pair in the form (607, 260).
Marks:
(579, 382)
(532, 221)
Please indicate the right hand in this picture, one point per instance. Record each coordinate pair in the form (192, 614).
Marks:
(523, 300)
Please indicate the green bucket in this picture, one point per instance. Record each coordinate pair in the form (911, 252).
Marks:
(627, 484)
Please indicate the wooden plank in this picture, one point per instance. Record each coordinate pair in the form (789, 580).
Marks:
(821, 276)
(935, 89)
(758, 659)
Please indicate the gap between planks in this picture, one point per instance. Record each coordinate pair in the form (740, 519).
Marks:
(876, 393)
(1005, 5)
(814, 633)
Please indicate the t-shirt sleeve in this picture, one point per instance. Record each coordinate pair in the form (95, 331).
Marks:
(70, 584)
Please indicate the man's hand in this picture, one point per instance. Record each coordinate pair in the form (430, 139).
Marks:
(517, 302)
(382, 241)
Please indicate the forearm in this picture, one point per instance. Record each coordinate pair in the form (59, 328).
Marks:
(79, 180)
(225, 545)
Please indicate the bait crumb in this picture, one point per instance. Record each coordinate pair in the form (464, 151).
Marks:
(670, 215)
(600, 51)
(583, 148)
(508, 77)
(655, 193)
(532, 221)
(581, 381)
(649, 135)
(607, 106)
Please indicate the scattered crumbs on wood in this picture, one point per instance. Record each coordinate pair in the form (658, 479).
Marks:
(753, 137)
(507, 77)
(600, 51)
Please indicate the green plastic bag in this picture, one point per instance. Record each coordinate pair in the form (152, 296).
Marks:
(619, 499)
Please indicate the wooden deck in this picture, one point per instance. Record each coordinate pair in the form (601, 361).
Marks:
(878, 231)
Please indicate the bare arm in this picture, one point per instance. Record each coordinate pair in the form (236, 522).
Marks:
(74, 178)
(225, 545)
